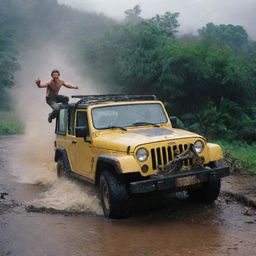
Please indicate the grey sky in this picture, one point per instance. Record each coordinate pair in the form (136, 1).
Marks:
(193, 13)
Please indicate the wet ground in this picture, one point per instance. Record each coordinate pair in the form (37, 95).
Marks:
(170, 225)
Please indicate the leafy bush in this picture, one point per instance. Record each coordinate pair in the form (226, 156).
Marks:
(240, 155)
(226, 120)
(9, 124)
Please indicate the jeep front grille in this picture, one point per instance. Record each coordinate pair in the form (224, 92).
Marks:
(163, 155)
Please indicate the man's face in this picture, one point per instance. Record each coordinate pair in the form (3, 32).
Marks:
(55, 76)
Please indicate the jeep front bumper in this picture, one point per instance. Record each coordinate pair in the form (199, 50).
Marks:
(178, 181)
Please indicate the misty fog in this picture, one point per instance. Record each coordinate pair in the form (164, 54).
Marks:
(30, 100)
(193, 13)
(38, 63)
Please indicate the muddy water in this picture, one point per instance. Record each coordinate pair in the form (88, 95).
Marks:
(159, 226)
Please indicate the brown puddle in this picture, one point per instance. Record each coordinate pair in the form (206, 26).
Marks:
(159, 225)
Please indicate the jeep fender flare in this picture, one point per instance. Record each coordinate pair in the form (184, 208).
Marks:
(107, 163)
(214, 152)
(62, 153)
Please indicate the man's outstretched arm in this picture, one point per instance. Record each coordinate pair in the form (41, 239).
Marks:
(70, 86)
(39, 85)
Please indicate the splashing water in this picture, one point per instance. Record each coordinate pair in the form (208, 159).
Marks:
(34, 151)
(34, 165)
(69, 196)
(61, 194)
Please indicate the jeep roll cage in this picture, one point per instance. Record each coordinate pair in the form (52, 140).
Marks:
(96, 99)
(86, 100)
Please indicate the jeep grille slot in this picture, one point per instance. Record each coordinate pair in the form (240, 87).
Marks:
(185, 161)
(153, 156)
(169, 150)
(163, 155)
(159, 157)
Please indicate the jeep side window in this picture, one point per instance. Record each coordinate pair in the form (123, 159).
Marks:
(81, 120)
(71, 121)
(62, 122)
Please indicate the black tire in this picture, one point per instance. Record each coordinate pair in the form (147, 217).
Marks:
(208, 192)
(114, 196)
(61, 170)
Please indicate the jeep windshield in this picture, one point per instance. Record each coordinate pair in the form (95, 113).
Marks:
(120, 116)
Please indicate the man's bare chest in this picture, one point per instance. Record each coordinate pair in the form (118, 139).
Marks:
(55, 86)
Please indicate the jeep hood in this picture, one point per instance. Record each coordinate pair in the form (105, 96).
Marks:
(120, 140)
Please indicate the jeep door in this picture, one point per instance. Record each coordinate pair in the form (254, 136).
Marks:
(80, 149)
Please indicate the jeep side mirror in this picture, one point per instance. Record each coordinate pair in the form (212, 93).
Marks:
(82, 132)
(174, 121)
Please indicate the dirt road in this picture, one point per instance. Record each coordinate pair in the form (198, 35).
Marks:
(159, 226)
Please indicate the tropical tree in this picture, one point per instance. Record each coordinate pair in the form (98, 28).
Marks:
(166, 24)
(222, 35)
(8, 66)
(133, 15)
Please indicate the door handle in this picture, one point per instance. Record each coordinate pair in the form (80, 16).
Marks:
(74, 141)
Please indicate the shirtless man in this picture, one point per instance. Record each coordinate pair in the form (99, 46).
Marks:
(52, 93)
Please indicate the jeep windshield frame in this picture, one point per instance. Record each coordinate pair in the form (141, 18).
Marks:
(128, 115)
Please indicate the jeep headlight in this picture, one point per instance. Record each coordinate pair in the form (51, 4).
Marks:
(199, 146)
(142, 154)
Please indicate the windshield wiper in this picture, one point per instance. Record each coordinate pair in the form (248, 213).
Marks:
(145, 123)
(119, 127)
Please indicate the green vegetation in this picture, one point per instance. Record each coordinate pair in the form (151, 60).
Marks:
(239, 155)
(226, 120)
(9, 124)
(209, 82)
(8, 66)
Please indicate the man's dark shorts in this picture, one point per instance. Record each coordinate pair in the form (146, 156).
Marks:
(53, 102)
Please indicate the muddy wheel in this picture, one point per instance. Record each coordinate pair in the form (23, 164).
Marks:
(113, 195)
(61, 170)
(208, 192)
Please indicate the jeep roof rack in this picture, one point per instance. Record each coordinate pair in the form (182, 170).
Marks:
(89, 99)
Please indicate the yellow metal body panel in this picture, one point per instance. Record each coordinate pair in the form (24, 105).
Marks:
(82, 152)
(118, 140)
(127, 162)
(79, 151)
(214, 152)
(82, 156)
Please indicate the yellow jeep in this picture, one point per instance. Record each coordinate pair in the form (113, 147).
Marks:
(126, 145)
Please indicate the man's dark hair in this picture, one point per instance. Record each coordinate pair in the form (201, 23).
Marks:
(55, 71)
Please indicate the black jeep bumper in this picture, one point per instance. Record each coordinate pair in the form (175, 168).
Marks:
(178, 181)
